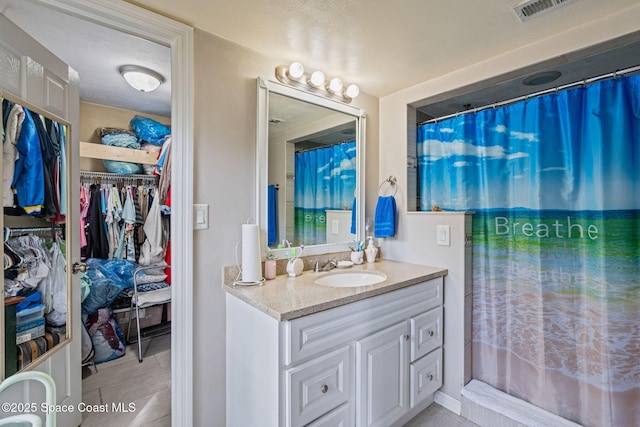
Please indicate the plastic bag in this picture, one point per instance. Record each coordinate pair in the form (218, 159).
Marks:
(149, 130)
(119, 270)
(106, 336)
(108, 278)
(122, 168)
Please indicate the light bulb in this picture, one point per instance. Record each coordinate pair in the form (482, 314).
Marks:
(335, 85)
(296, 70)
(352, 91)
(317, 79)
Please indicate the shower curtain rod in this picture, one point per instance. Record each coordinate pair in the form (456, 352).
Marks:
(583, 82)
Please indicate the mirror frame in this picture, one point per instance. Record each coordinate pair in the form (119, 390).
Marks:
(264, 87)
(69, 335)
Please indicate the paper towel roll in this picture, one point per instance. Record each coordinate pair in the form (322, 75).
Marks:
(251, 268)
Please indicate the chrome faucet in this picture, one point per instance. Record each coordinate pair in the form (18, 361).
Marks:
(332, 263)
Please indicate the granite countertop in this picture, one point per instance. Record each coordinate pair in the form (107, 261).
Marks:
(286, 298)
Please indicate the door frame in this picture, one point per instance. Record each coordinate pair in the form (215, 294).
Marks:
(131, 19)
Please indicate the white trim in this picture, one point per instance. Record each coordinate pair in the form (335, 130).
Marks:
(132, 19)
(448, 402)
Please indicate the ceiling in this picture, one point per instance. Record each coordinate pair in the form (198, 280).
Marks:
(382, 46)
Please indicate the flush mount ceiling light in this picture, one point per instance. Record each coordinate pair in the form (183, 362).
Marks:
(141, 78)
(316, 82)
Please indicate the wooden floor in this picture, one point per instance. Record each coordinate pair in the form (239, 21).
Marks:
(147, 385)
(125, 381)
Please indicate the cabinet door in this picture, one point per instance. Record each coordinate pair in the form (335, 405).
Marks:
(382, 361)
(36, 79)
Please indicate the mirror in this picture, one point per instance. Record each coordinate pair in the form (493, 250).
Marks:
(36, 282)
(310, 155)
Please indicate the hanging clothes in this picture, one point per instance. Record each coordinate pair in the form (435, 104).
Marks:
(28, 178)
(152, 252)
(13, 126)
(97, 242)
(33, 161)
(124, 209)
(49, 150)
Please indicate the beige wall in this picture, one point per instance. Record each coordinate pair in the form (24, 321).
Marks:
(224, 178)
(94, 116)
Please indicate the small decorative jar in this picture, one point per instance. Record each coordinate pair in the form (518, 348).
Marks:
(270, 269)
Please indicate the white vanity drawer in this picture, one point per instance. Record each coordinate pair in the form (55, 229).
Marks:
(426, 333)
(426, 377)
(311, 335)
(337, 418)
(318, 386)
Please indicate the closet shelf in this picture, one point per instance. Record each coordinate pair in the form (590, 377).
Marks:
(107, 152)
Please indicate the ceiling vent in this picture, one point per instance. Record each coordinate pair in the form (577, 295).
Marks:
(533, 8)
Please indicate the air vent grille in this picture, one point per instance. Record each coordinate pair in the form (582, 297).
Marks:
(533, 8)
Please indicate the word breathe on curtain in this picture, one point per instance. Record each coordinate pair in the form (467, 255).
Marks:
(555, 185)
(325, 179)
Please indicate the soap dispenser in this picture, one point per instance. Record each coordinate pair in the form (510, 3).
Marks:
(371, 252)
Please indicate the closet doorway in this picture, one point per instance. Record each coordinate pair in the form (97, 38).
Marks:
(131, 20)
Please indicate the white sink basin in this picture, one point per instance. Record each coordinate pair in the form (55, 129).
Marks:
(350, 279)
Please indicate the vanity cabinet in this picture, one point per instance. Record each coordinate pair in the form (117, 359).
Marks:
(374, 362)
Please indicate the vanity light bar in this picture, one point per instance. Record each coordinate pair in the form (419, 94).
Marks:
(316, 82)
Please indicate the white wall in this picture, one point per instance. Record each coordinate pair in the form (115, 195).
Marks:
(224, 175)
(414, 242)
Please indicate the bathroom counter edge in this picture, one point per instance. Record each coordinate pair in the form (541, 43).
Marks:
(287, 298)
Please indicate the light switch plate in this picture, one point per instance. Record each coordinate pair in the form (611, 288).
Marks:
(200, 217)
(444, 235)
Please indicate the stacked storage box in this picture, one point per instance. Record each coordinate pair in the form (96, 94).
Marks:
(30, 324)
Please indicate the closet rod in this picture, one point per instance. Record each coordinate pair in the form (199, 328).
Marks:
(15, 230)
(584, 82)
(116, 176)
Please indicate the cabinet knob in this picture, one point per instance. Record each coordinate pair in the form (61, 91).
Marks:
(431, 377)
(324, 388)
(407, 337)
(431, 333)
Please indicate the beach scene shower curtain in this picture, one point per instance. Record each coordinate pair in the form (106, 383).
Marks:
(555, 185)
(325, 178)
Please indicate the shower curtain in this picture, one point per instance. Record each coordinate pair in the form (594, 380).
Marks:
(555, 185)
(325, 178)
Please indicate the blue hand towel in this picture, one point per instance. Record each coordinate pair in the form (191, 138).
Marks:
(353, 217)
(272, 214)
(385, 219)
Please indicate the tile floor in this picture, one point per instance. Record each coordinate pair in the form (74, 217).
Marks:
(148, 386)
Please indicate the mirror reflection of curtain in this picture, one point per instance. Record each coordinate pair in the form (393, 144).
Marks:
(325, 178)
(555, 185)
